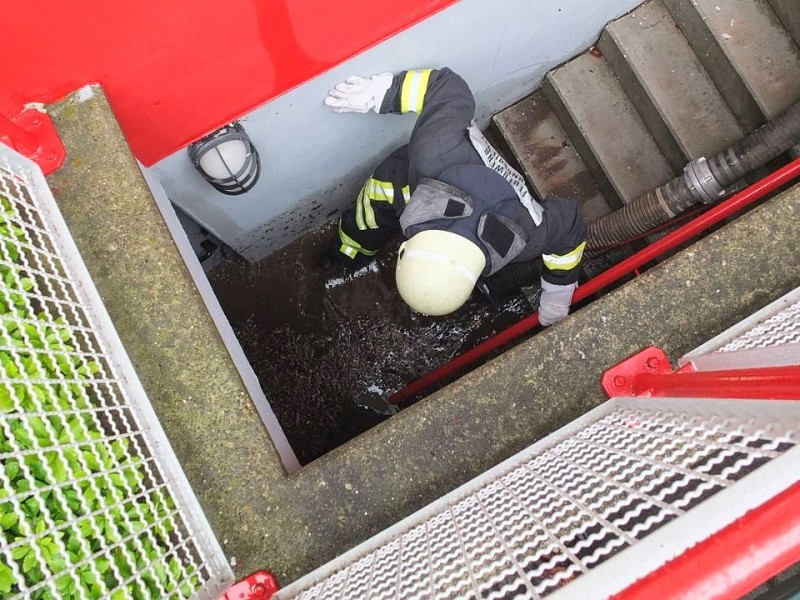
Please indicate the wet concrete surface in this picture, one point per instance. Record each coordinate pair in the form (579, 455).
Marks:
(325, 344)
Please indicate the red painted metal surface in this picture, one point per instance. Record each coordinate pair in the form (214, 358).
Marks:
(261, 585)
(649, 373)
(174, 70)
(621, 379)
(733, 562)
(32, 134)
(724, 209)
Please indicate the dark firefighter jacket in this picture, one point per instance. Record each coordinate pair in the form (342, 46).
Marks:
(439, 181)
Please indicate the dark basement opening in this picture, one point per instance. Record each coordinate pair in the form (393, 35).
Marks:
(320, 343)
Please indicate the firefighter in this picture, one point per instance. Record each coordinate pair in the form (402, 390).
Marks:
(465, 212)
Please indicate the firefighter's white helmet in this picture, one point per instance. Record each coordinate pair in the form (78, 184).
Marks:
(437, 270)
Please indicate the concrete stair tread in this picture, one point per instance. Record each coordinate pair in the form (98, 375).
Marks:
(669, 86)
(546, 157)
(788, 13)
(746, 50)
(607, 131)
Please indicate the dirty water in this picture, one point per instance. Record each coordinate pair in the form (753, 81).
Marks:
(323, 344)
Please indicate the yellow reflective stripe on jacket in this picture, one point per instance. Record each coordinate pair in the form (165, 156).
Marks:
(369, 213)
(360, 209)
(374, 189)
(350, 247)
(383, 191)
(406, 194)
(412, 95)
(564, 262)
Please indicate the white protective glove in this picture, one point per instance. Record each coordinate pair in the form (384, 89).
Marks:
(359, 94)
(554, 302)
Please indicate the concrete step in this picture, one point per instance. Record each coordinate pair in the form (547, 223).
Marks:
(744, 47)
(667, 83)
(788, 12)
(530, 132)
(606, 129)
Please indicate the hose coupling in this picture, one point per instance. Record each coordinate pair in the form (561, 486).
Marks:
(701, 181)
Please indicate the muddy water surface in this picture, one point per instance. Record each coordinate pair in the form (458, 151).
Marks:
(319, 342)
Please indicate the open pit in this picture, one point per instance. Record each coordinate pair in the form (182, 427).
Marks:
(322, 344)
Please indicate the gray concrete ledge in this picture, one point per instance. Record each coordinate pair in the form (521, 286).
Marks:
(292, 524)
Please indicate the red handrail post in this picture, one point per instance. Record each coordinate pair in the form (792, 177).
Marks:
(261, 585)
(32, 134)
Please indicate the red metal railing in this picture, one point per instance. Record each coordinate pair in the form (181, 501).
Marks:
(649, 373)
(756, 547)
(670, 241)
(733, 562)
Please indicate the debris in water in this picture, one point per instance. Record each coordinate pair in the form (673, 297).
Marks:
(317, 345)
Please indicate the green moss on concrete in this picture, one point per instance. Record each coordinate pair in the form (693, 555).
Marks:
(292, 524)
(172, 342)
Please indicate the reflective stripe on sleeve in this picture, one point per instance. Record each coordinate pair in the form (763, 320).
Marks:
(406, 194)
(382, 191)
(379, 191)
(564, 262)
(350, 247)
(348, 250)
(369, 213)
(360, 209)
(412, 95)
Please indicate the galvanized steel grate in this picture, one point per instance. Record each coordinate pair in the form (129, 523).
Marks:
(770, 337)
(558, 510)
(780, 329)
(92, 501)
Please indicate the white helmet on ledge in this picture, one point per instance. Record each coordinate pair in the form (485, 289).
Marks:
(437, 270)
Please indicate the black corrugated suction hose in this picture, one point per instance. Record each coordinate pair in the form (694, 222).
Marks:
(702, 181)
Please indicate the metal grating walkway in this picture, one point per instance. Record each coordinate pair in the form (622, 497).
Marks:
(600, 503)
(93, 501)
(571, 502)
(770, 337)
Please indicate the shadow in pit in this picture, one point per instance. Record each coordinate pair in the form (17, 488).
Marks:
(317, 342)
